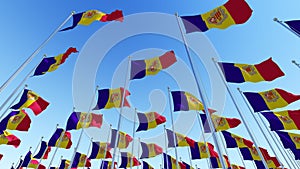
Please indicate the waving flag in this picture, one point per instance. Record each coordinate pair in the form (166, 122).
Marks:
(199, 150)
(215, 162)
(142, 68)
(1, 155)
(43, 152)
(50, 64)
(30, 162)
(170, 162)
(233, 141)
(126, 158)
(64, 164)
(283, 120)
(149, 120)
(31, 100)
(16, 120)
(270, 99)
(78, 120)
(107, 165)
(150, 150)
(180, 139)
(272, 163)
(146, 165)
(294, 25)
(124, 139)
(61, 139)
(289, 140)
(9, 139)
(79, 160)
(99, 149)
(220, 123)
(88, 17)
(234, 166)
(185, 101)
(267, 70)
(231, 13)
(109, 98)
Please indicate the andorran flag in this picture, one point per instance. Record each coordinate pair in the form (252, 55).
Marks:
(180, 139)
(16, 120)
(170, 163)
(283, 120)
(43, 152)
(215, 162)
(142, 68)
(61, 139)
(289, 140)
(220, 123)
(185, 101)
(79, 120)
(107, 165)
(126, 160)
(231, 13)
(30, 162)
(31, 100)
(100, 150)
(109, 98)
(88, 17)
(267, 70)
(124, 139)
(149, 120)
(201, 150)
(150, 150)
(9, 139)
(294, 25)
(233, 141)
(271, 99)
(50, 64)
(80, 160)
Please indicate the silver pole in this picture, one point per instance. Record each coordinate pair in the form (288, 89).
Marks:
(189, 151)
(288, 28)
(105, 151)
(297, 64)
(166, 147)
(201, 92)
(121, 111)
(241, 157)
(222, 141)
(28, 60)
(20, 161)
(173, 128)
(133, 134)
(139, 151)
(88, 153)
(241, 115)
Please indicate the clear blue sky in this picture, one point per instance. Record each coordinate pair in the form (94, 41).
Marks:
(26, 24)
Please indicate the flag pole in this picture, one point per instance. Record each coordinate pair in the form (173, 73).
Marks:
(222, 141)
(38, 145)
(83, 126)
(133, 133)
(28, 60)
(288, 28)
(201, 92)
(106, 146)
(88, 153)
(166, 147)
(189, 151)
(42, 156)
(196, 166)
(240, 154)
(297, 64)
(173, 128)
(16, 89)
(289, 155)
(241, 115)
(260, 128)
(139, 151)
(121, 111)
(204, 140)
(59, 142)
(20, 161)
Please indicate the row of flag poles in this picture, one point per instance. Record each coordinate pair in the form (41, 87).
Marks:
(259, 104)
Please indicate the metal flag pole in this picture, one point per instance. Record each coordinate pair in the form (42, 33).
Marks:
(106, 146)
(42, 156)
(133, 134)
(56, 147)
(166, 147)
(259, 126)
(204, 140)
(240, 113)
(139, 151)
(38, 145)
(28, 60)
(121, 111)
(288, 28)
(226, 152)
(15, 91)
(83, 126)
(293, 156)
(19, 162)
(297, 64)
(12, 166)
(173, 128)
(240, 154)
(88, 153)
(202, 95)
(189, 151)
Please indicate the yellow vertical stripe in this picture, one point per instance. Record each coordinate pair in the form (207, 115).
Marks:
(122, 140)
(31, 98)
(54, 66)
(3, 139)
(218, 18)
(83, 120)
(296, 139)
(181, 140)
(220, 123)
(90, 16)
(254, 153)
(203, 149)
(286, 120)
(115, 98)
(273, 99)
(193, 102)
(151, 120)
(153, 66)
(250, 73)
(15, 120)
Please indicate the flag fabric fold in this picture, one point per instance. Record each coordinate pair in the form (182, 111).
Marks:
(283, 120)
(43, 152)
(142, 68)
(289, 140)
(270, 99)
(31, 100)
(99, 149)
(233, 141)
(50, 64)
(109, 98)
(9, 139)
(89, 16)
(231, 13)
(124, 139)
(16, 120)
(150, 150)
(78, 120)
(267, 70)
(149, 120)
(61, 139)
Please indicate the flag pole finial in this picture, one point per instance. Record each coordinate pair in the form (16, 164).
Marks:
(275, 19)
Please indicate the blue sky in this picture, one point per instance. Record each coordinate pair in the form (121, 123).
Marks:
(26, 24)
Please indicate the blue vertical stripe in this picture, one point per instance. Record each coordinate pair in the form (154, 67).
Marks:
(232, 73)
(180, 101)
(138, 69)
(256, 101)
(103, 96)
(275, 123)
